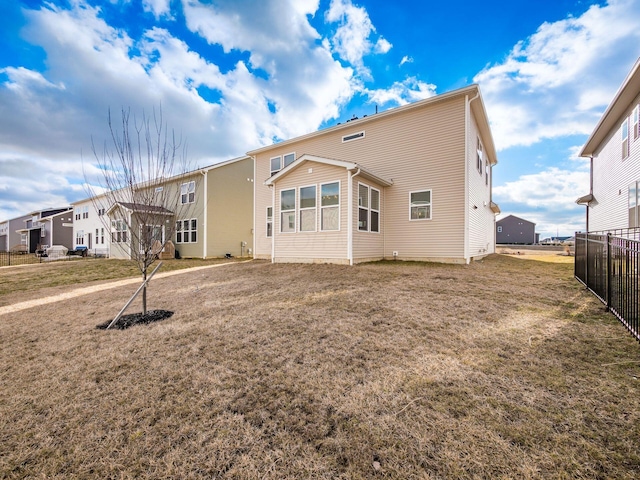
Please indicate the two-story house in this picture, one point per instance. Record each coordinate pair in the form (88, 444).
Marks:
(614, 152)
(44, 228)
(410, 183)
(205, 213)
(516, 230)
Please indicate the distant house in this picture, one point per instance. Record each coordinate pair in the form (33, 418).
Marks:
(9, 233)
(91, 227)
(213, 218)
(515, 230)
(44, 228)
(614, 151)
(410, 183)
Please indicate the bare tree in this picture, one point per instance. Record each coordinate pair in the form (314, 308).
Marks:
(143, 182)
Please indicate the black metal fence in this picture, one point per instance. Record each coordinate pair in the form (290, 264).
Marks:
(608, 264)
(8, 259)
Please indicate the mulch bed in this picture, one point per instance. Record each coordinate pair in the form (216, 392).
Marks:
(126, 321)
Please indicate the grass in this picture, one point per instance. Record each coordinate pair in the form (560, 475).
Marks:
(43, 277)
(504, 368)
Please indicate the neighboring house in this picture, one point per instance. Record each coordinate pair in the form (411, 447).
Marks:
(212, 216)
(412, 183)
(44, 228)
(91, 226)
(614, 152)
(515, 230)
(10, 236)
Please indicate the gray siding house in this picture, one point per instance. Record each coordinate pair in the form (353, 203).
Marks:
(515, 230)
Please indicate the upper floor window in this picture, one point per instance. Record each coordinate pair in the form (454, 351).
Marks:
(420, 205)
(280, 162)
(188, 192)
(479, 157)
(625, 138)
(499, 228)
(634, 126)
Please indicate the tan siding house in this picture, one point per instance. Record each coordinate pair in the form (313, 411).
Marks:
(414, 184)
(614, 150)
(211, 213)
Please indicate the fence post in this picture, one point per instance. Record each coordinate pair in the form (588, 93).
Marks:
(608, 299)
(586, 260)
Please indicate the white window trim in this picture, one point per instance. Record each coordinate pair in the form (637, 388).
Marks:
(499, 228)
(269, 220)
(282, 165)
(301, 209)
(371, 209)
(294, 210)
(279, 157)
(480, 156)
(430, 205)
(353, 136)
(634, 121)
(625, 138)
(189, 230)
(339, 205)
(189, 190)
(367, 208)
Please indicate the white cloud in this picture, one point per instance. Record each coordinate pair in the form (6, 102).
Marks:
(558, 81)
(66, 105)
(351, 39)
(159, 8)
(406, 59)
(401, 93)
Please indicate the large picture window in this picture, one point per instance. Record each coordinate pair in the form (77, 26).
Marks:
(187, 231)
(118, 231)
(188, 192)
(420, 205)
(330, 206)
(288, 211)
(308, 209)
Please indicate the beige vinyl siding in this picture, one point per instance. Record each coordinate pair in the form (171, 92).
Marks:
(187, 212)
(481, 218)
(319, 245)
(420, 148)
(612, 176)
(369, 245)
(263, 199)
(230, 209)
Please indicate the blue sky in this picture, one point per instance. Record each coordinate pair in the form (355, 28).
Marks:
(235, 75)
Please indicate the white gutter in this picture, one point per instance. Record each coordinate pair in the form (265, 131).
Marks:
(350, 216)
(467, 109)
(205, 174)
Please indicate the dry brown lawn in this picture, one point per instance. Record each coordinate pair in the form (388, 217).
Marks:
(505, 368)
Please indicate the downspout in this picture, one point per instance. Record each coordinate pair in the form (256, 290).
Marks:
(205, 174)
(253, 231)
(590, 189)
(273, 223)
(467, 104)
(350, 216)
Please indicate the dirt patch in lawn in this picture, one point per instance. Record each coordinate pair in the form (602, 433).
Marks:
(504, 368)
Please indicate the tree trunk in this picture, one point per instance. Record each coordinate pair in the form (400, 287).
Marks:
(144, 294)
